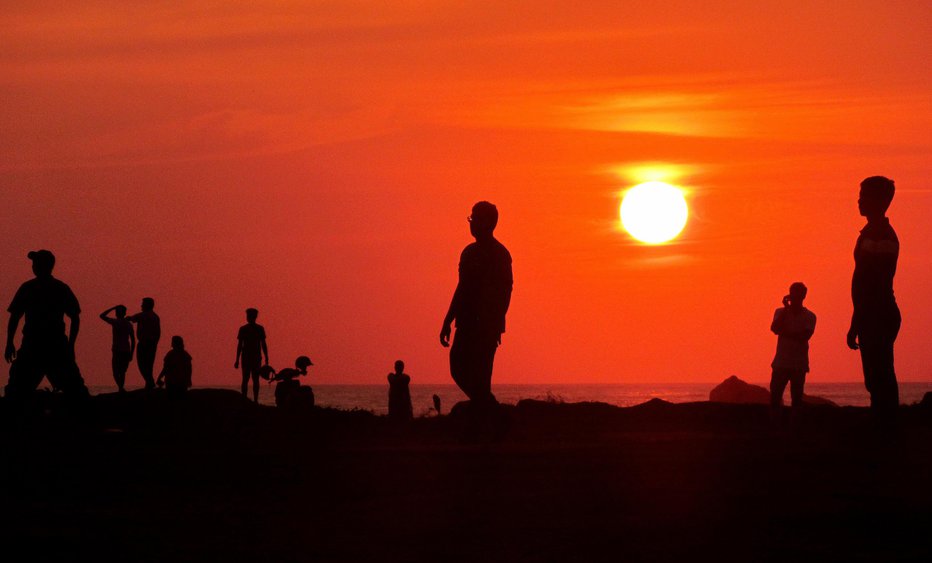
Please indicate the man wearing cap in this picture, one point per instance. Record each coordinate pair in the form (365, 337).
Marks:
(45, 350)
(479, 304)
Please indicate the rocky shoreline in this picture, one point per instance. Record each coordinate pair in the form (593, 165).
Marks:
(140, 477)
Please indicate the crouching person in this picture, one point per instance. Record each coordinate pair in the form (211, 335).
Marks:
(176, 369)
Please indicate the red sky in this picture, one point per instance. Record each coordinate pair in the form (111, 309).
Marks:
(317, 160)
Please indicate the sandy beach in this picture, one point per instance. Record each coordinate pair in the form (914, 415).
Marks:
(214, 478)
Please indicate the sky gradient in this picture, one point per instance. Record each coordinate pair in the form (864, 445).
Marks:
(317, 161)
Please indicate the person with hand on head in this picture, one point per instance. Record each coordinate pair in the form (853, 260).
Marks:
(124, 343)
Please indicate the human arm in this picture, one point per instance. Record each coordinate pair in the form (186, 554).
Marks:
(132, 340)
(265, 351)
(165, 367)
(852, 338)
(10, 353)
(447, 329)
(776, 326)
(105, 315)
(73, 329)
(239, 351)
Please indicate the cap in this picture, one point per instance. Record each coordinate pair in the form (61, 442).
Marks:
(42, 258)
(41, 255)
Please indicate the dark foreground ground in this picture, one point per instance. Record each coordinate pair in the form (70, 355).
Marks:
(213, 478)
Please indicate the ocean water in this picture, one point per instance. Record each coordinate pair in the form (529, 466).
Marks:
(375, 397)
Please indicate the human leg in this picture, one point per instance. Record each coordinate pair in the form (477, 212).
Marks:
(778, 380)
(145, 361)
(63, 373)
(876, 344)
(120, 364)
(880, 376)
(797, 383)
(26, 373)
(244, 387)
(472, 357)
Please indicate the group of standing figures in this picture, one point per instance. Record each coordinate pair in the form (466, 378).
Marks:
(875, 322)
(478, 308)
(45, 350)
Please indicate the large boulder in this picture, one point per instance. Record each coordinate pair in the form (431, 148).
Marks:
(735, 390)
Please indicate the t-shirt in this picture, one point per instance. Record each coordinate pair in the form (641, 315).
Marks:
(251, 336)
(875, 257)
(793, 353)
(44, 301)
(485, 283)
(149, 326)
(122, 334)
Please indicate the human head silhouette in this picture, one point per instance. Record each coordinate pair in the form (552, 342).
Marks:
(483, 220)
(798, 291)
(302, 363)
(43, 261)
(399, 366)
(120, 311)
(252, 314)
(177, 343)
(148, 303)
(876, 195)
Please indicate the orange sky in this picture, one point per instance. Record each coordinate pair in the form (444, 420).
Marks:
(317, 160)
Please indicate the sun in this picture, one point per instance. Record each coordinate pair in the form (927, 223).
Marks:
(654, 212)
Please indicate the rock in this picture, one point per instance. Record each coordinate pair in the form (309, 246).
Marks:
(735, 390)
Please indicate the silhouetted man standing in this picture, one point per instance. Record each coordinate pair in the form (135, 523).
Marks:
(876, 319)
(478, 306)
(148, 332)
(44, 350)
(250, 347)
(793, 324)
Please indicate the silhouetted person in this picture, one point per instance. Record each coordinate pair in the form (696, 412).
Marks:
(479, 304)
(45, 351)
(436, 399)
(124, 343)
(148, 333)
(289, 393)
(176, 368)
(399, 396)
(793, 324)
(250, 347)
(876, 319)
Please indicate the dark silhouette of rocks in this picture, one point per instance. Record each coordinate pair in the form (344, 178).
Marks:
(150, 479)
(736, 390)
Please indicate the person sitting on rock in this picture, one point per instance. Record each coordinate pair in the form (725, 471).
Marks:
(176, 368)
(289, 392)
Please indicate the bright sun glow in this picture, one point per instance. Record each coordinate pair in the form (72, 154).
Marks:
(654, 212)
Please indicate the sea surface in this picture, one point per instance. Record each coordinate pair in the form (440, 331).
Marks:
(375, 397)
